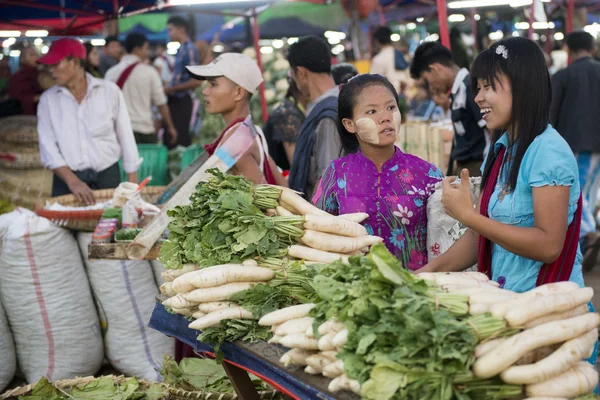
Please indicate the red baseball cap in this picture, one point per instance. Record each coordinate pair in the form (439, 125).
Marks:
(61, 49)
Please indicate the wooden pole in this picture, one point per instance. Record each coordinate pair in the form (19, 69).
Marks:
(256, 38)
(531, 20)
(570, 10)
(443, 20)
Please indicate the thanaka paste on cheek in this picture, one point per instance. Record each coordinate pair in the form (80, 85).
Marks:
(366, 129)
(397, 117)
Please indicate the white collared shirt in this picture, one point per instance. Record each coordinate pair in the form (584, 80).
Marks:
(142, 90)
(91, 135)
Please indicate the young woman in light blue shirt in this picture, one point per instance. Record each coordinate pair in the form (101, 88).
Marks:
(524, 231)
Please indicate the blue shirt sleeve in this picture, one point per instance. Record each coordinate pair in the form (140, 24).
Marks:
(550, 162)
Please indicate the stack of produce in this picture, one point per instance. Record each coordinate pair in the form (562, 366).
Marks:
(230, 220)
(384, 333)
(23, 179)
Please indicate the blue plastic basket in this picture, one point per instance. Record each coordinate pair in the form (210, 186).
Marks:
(154, 164)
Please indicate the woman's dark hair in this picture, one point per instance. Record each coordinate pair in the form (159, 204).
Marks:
(522, 62)
(293, 92)
(87, 66)
(343, 72)
(347, 101)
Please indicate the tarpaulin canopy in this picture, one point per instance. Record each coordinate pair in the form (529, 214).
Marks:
(66, 16)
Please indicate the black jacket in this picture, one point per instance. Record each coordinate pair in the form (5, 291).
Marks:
(575, 110)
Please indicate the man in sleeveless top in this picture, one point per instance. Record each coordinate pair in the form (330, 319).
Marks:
(232, 80)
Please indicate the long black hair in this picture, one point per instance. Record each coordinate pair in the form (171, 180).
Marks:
(347, 101)
(523, 64)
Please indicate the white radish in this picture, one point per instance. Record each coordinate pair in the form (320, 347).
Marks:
(319, 361)
(270, 212)
(574, 312)
(167, 289)
(500, 309)
(546, 398)
(218, 293)
(563, 359)
(517, 316)
(296, 357)
(298, 325)
(250, 263)
(312, 371)
(493, 297)
(310, 254)
(286, 314)
(482, 287)
(579, 380)
(339, 244)
(176, 273)
(484, 347)
(215, 317)
(208, 278)
(336, 225)
(198, 314)
(326, 342)
(342, 382)
(455, 278)
(340, 339)
(284, 212)
(334, 370)
(166, 276)
(481, 308)
(207, 308)
(330, 326)
(310, 332)
(516, 346)
(275, 339)
(356, 217)
(178, 301)
(299, 341)
(186, 312)
(297, 203)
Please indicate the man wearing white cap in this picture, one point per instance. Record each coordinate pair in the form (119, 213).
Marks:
(232, 80)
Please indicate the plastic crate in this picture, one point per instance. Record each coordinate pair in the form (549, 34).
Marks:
(189, 155)
(155, 164)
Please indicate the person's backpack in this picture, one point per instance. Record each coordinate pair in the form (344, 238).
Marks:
(400, 61)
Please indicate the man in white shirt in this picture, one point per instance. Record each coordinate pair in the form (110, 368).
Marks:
(83, 127)
(142, 88)
(164, 64)
(384, 62)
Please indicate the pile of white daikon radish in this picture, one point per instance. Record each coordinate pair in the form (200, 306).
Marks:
(202, 293)
(558, 332)
(293, 328)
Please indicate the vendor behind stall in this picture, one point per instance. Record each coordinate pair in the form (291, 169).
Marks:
(83, 127)
(376, 177)
(525, 229)
(232, 80)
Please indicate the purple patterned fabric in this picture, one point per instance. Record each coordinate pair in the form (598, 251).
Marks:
(395, 199)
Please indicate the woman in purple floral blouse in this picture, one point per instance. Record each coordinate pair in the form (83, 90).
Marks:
(376, 177)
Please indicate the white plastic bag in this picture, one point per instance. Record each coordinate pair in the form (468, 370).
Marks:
(127, 292)
(47, 299)
(443, 230)
(8, 358)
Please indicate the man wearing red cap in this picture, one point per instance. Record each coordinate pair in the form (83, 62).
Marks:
(83, 127)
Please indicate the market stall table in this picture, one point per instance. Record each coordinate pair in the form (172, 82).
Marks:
(261, 359)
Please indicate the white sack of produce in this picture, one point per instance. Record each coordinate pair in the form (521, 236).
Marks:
(47, 299)
(127, 291)
(443, 230)
(8, 358)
